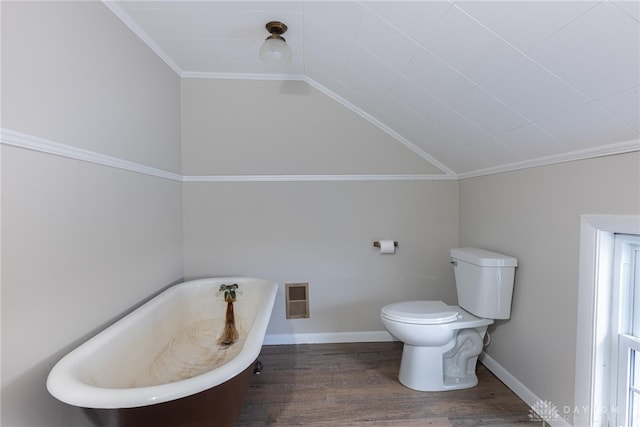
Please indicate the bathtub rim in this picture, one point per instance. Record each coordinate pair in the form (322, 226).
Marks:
(64, 380)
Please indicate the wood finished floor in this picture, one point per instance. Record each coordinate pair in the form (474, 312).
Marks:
(357, 385)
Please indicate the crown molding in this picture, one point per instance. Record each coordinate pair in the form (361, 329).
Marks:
(589, 153)
(241, 76)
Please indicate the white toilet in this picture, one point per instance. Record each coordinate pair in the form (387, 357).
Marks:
(442, 342)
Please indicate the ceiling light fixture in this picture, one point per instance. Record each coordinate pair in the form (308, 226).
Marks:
(275, 49)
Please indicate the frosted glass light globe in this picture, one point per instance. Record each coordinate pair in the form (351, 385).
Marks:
(275, 50)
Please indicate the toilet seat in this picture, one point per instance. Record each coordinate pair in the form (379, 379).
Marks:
(420, 312)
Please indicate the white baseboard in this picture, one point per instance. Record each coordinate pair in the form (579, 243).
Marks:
(520, 389)
(324, 338)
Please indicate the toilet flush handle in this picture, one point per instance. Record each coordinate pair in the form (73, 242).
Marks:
(454, 263)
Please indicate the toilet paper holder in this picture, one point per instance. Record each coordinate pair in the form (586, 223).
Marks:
(376, 244)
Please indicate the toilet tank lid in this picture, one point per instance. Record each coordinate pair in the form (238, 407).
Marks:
(483, 257)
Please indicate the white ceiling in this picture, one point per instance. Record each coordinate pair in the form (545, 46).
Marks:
(471, 85)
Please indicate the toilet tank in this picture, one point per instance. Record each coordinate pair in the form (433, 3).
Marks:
(484, 281)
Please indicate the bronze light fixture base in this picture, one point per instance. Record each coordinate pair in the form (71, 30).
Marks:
(276, 28)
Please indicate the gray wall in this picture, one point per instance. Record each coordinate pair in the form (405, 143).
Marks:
(239, 127)
(322, 233)
(81, 243)
(316, 232)
(534, 215)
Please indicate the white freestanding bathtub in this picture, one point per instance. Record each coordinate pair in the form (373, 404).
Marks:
(161, 365)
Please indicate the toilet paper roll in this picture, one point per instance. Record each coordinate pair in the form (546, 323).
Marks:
(387, 247)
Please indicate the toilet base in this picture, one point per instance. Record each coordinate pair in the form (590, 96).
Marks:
(448, 367)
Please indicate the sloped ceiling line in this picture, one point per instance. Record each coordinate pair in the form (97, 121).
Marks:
(135, 28)
(185, 74)
(473, 87)
(382, 127)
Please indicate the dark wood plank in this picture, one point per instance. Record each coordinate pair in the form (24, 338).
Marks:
(356, 384)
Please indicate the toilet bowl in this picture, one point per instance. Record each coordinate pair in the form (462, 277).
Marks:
(442, 342)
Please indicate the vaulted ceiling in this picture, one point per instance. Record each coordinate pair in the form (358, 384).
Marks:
(473, 86)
